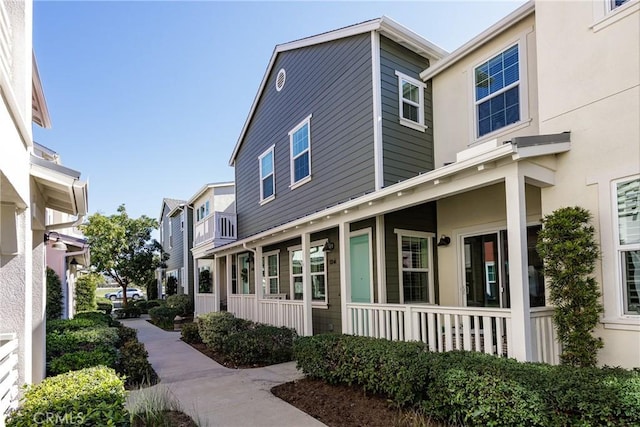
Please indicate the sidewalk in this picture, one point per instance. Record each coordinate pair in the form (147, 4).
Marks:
(214, 395)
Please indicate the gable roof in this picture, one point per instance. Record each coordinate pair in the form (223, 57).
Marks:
(205, 187)
(385, 25)
(171, 204)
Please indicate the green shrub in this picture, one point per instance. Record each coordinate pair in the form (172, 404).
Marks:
(97, 317)
(54, 295)
(134, 365)
(190, 333)
(104, 304)
(172, 285)
(89, 397)
(128, 312)
(163, 316)
(215, 327)
(87, 339)
(86, 291)
(261, 345)
(146, 305)
(62, 325)
(126, 334)
(82, 359)
(182, 304)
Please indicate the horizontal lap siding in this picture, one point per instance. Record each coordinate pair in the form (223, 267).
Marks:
(406, 152)
(332, 81)
(175, 252)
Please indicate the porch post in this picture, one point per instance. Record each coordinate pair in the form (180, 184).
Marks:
(344, 274)
(306, 285)
(215, 277)
(520, 346)
(257, 266)
(381, 260)
(228, 271)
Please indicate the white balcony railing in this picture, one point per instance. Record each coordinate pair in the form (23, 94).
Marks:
(218, 227)
(8, 374)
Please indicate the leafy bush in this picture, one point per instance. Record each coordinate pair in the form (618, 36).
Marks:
(126, 334)
(163, 316)
(214, 328)
(182, 304)
(82, 359)
(190, 333)
(62, 325)
(87, 339)
(89, 397)
(104, 304)
(473, 388)
(86, 291)
(133, 364)
(146, 305)
(97, 317)
(54, 295)
(263, 344)
(172, 286)
(128, 312)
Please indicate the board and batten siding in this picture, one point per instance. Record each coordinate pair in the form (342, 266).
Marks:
(331, 81)
(406, 152)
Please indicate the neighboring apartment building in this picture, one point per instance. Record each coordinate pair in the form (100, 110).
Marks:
(214, 225)
(176, 239)
(415, 215)
(29, 185)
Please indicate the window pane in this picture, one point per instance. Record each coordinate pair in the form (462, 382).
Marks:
(414, 252)
(317, 287)
(511, 75)
(410, 91)
(296, 262)
(496, 82)
(301, 167)
(628, 195)
(267, 164)
(300, 140)
(415, 286)
(631, 281)
(267, 187)
(272, 269)
(536, 276)
(410, 112)
(317, 259)
(297, 288)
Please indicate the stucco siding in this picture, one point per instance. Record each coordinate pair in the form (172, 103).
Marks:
(406, 151)
(331, 82)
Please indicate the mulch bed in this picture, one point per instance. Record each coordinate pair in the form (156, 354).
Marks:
(220, 358)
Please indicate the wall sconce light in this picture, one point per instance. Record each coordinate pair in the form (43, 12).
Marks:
(444, 240)
(74, 262)
(58, 245)
(328, 247)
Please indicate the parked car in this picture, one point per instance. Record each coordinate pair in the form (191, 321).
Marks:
(132, 293)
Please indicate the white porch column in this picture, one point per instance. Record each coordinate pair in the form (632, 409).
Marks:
(215, 277)
(306, 284)
(381, 260)
(229, 272)
(343, 231)
(257, 266)
(520, 345)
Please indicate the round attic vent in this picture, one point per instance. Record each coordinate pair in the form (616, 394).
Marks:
(280, 79)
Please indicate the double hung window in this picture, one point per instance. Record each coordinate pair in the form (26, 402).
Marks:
(300, 147)
(416, 266)
(627, 200)
(411, 101)
(318, 274)
(267, 176)
(270, 276)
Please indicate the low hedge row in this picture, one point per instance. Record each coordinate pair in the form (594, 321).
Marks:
(473, 388)
(244, 342)
(89, 397)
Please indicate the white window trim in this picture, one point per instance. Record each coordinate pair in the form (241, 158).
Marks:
(523, 92)
(420, 234)
(619, 249)
(317, 304)
(265, 276)
(271, 151)
(306, 121)
(239, 283)
(604, 15)
(182, 221)
(419, 125)
(170, 233)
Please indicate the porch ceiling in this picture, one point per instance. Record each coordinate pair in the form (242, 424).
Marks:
(485, 165)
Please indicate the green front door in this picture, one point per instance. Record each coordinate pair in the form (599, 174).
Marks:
(360, 268)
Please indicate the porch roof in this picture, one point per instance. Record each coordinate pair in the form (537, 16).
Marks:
(61, 186)
(479, 166)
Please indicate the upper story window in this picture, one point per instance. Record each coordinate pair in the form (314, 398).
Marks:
(497, 92)
(627, 199)
(300, 141)
(616, 3)
(411, 102)
(203, 211)
(181, 220)
(267, 176)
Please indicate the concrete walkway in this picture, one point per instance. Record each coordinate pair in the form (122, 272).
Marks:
(212, 394)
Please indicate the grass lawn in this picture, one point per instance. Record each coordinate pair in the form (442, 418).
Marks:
(101, 291)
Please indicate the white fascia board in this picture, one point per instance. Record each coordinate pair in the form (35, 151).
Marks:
(205, 187)
(38, 95)
(418, 43)
(499, 27)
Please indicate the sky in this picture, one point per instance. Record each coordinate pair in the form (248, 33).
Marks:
(147, 99)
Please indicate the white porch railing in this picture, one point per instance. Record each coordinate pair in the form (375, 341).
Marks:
(219, 226)
(205, 303)
(280, 312)
(243, 306)
(8, 374)
(453, 328)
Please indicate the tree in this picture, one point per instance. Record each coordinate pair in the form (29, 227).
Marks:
(568, 248)
(122, 248)
(86, 292)
(54, 295)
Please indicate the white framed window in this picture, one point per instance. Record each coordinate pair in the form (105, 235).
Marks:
(411, 101)
(203, 211)
(244, 270)
(415, 264)
(497, 91)
(271, 273)
(267, 176)
(626, 201)
(614, 4)
(300, 149)
(182, 221)
(170, 233)
(318, 273)
(205, 280)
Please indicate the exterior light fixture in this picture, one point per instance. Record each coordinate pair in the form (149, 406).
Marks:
(328, 247)
(74, 262)
(444, 240)
(58, 244)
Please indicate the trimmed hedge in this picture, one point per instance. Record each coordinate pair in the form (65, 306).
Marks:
(214, 328)
(190, 334)
(182, 304)
(163, 316)
(134, 365)
(128, 312)
(82, 359)
(89, 397)
(87, 339)
(473, 388)
(262, 344)
(104, 304)
(98, 317)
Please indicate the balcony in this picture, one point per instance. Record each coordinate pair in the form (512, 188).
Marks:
(218, 228)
